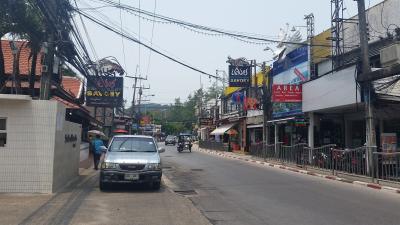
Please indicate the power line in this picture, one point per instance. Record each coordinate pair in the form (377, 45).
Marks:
(209, 29)
(141, 43)
(151, 39)
(122, 38)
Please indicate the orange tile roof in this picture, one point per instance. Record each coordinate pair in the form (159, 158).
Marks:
(24, 59)
(72, 85)
(68, 105)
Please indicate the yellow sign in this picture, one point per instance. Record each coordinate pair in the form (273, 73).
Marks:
(322, 46)
(230, 90)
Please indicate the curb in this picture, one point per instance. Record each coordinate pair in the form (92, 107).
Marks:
(294, 170)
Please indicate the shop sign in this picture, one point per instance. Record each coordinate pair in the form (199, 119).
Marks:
(206, 121)
(239, 76)
(104, 91)
(290, 70)
(286, 93)
(389, 142)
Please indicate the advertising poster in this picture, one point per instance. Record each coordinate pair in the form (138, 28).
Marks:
(389, 142)
(290, 70)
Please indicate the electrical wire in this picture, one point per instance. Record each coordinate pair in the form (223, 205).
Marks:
(107, 27)
(209, 29)
(122, 38)
(151, 40)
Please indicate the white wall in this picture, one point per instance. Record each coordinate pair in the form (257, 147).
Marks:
(389, 9)
(28, 160)
(331, 91)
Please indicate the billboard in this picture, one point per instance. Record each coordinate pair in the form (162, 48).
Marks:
(292, 69)
(104, 91)
(287, 93)
(239, 76)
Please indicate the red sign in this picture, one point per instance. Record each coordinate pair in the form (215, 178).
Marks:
(287, 93)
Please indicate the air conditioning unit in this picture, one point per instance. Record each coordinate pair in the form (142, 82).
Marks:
(390, 55)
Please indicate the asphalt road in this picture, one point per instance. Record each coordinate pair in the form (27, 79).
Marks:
(233, 192)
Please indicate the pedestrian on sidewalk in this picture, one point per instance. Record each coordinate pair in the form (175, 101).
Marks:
(97, 143)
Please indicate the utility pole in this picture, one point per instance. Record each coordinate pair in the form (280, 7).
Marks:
(49, 50)
(266, 104)
(133, 98)
(140, 99)
(47, 67)
(367, 86)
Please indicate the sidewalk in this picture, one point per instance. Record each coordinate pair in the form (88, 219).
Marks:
(83, 203)
(275, 164)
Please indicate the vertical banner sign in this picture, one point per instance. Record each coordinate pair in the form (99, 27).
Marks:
(105, 91)
(239, 76)
(289, 73)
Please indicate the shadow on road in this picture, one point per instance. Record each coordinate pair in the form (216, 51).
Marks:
(132, 188)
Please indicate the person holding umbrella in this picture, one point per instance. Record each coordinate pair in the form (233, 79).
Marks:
(97, 145)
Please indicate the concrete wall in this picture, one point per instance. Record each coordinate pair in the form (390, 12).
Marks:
(31, 156)
(66, 154)
(331, 91)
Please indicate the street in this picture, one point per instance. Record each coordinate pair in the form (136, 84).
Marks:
(235, 192)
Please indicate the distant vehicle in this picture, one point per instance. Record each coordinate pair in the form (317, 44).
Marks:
(132, 159)
(184, 142)
(170, 140)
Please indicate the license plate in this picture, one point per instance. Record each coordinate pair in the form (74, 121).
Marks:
(131, 176)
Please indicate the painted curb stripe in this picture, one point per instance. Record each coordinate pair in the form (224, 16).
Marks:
(370, 185)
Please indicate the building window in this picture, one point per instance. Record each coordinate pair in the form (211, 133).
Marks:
(3, 132)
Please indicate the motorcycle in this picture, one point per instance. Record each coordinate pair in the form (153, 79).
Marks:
(184, 146)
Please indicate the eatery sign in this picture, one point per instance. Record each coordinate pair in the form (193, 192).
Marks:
(287, 93)
(239, 76)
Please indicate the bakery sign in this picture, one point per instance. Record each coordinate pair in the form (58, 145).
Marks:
(287, 93)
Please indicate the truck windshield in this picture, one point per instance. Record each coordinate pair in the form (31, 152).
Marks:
(132, 144)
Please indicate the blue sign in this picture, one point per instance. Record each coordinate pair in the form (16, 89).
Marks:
(291, 69)
(239, 76)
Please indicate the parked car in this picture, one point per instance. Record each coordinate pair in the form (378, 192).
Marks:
(132, 159)
(170, 140)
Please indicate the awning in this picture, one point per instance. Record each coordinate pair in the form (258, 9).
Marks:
(254, 126)
(222, 129)
(284, 120)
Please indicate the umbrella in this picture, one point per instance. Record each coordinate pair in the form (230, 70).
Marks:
(96, 132)
(121, 131)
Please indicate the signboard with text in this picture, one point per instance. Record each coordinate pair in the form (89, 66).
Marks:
(239, 76)
(291, 69)
(286, 93)
(104, 91)
(206, 121)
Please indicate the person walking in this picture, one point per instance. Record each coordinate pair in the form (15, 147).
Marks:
(97, 143)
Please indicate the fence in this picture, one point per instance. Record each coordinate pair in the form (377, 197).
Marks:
(219, 146)
(261, 150)
(353, 161)
(387, 166)
(320, 157)
(297, 154)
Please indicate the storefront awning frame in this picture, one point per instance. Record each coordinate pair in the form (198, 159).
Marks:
(222, 129)
(280, 121)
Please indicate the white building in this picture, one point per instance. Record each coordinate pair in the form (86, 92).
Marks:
(39, 149)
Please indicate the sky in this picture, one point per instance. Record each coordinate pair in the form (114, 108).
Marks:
(168, 80)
